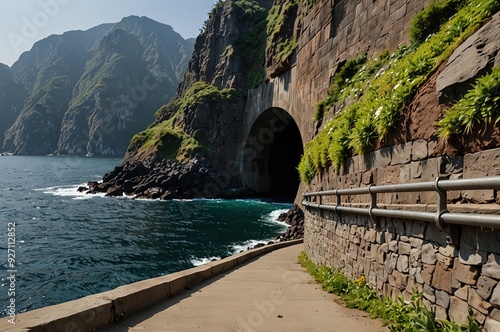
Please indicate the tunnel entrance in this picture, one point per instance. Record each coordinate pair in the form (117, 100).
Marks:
(271, 156)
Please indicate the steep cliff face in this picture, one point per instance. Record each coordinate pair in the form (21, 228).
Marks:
(91, 91)
(234, 38)
(201, 127)
(12, 96)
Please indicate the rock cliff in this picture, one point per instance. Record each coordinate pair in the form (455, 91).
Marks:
(91, 91)
(12, 96)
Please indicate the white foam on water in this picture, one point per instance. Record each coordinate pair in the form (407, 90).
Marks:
(202, 261)
(69, 191)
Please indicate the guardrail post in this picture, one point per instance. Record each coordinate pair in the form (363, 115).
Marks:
(373, 205)
(442, 208)
(339, 203)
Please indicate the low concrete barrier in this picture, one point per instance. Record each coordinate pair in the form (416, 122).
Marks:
(98, 310)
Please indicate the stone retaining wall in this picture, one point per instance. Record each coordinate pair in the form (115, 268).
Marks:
(401, 255)
(413, 162)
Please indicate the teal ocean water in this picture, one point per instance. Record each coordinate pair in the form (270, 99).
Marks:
(69, 245)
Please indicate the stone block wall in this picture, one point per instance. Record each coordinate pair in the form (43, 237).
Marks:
(413, 162)
(338, 30)
(402, 255)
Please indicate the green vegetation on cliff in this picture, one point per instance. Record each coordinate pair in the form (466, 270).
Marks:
(276, 21)
(371, 101)
(252, 43)
(167, 136)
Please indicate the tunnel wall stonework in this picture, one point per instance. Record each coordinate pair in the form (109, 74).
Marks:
(333, 32)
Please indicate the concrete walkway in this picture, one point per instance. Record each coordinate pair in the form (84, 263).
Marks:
(270, 293)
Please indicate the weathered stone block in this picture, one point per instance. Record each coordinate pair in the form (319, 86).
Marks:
(485, 287)
(415, 257)
(416, 243)
(462, 293)
(398, 280)
(478, 316)
(491, 325)
(429, 293)
(448, 251)
(403, 265)
(418, 229)
(459, 310)
(419, 150)
(472, 257)
(401, 153)
(391, 262)
(393, 246)
(495, 314)
(404, 248)
(429, 254)
(492, 267)
(441, 313)
(427, 273)
(495, 297)
(442, 299)
(450, 165)
(479, 164)
(433, 234)
(477, 302)
(416, 170)
(447, 261)
(442, 278)
(382, 157)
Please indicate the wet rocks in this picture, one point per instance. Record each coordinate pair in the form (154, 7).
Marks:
(295, 218)
(166, 179)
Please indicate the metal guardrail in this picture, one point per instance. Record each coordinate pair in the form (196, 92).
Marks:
(442, 217)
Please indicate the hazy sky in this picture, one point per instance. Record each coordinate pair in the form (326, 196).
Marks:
(23, 22)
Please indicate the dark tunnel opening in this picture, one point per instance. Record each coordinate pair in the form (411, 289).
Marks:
(272, 153)
(284, 158)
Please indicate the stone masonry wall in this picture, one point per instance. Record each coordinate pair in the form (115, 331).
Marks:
(402, 254)
(338, 30)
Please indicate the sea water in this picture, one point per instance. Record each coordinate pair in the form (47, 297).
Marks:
(69, 244)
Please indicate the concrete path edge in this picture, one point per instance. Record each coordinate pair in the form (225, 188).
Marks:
(99, 310)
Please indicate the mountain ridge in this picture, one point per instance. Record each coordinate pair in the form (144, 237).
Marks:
(136, 62)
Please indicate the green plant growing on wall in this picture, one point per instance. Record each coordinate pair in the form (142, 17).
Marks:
(480, 104)
(429, 20)
(381, 98)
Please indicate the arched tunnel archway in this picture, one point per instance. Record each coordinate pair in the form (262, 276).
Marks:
(272, 153)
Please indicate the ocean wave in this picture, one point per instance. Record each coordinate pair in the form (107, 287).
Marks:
(69, 191)
(202, 261)
(273, 216)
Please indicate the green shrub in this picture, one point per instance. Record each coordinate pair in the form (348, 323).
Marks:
(480, 104)
(429, 20)
(400, 315)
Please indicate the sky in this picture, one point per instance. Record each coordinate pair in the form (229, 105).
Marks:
(24, 22)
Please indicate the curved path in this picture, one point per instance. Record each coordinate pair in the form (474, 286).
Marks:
(270, 293)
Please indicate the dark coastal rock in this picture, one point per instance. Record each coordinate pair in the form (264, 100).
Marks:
(114, 192)
(164, 179)
(259, 245)
(82, 189)
(295, 218)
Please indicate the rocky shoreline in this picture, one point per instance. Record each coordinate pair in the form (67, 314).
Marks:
(166, 179)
